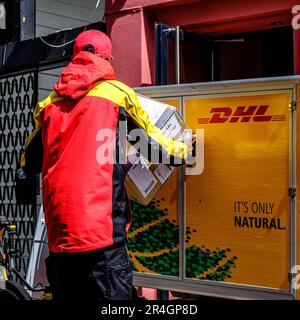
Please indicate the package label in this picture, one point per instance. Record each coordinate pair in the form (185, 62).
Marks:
(143, 178)
(163, 172)
(171, 128)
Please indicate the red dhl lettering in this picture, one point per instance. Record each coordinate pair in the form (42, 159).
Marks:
(241, 114)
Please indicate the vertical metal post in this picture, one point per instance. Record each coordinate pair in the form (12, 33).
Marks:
(293, 267)
(160, 79)
(27, 19)
(161, 53)
(181, 173)
(157, 54)
(182, 211)
(161, 49)
(212, 64)
(162, 33)
(177, 55)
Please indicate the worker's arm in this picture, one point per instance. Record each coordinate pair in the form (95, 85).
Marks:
(159, 146)
(160, 149)
(30, 164)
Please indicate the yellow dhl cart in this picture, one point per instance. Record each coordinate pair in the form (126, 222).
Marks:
(231, 230)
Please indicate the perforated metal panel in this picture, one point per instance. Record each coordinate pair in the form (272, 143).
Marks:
(17, 102)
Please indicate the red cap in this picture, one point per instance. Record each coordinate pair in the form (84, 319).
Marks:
(99, 40)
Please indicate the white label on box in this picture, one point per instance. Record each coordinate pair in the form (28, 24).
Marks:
(143, 178)
(163, 172)
(155, 109)
(171, 128)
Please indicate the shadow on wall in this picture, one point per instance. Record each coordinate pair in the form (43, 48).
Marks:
(111, 7)
(114, 5)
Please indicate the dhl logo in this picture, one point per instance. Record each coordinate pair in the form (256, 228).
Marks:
(241, 114)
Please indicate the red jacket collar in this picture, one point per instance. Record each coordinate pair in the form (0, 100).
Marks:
(82, 73)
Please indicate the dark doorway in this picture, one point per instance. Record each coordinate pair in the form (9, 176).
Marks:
(258, 54)
(254, 55)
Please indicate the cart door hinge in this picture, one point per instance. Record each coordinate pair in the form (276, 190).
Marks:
(291, 276)
(293, 105)
(292, 192)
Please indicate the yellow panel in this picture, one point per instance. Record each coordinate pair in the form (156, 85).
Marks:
(239, 207)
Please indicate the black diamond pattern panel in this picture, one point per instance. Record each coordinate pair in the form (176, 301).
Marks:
(18, 97)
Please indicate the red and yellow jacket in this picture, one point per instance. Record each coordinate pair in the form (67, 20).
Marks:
(85, 201)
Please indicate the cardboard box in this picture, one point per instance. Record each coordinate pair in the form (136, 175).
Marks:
(144, 179)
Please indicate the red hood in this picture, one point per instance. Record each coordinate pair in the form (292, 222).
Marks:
(80, 75)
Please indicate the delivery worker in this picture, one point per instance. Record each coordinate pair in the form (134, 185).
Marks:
(86, 208)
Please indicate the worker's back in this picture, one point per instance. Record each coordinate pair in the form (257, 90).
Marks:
(84, 198)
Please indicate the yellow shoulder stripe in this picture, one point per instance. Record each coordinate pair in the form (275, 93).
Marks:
(125, 97)
(53, 97)
(120, 94)
(110, 90)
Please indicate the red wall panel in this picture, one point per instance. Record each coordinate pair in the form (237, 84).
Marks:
(131, 27)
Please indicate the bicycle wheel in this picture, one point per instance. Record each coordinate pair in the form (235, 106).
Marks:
(13, 292)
